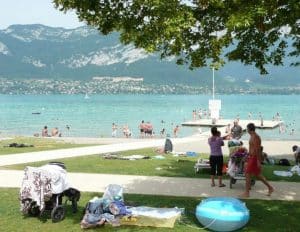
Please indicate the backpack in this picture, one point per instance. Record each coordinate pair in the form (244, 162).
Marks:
(284, 162)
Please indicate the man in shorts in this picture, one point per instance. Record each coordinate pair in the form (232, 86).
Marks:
(253, 165)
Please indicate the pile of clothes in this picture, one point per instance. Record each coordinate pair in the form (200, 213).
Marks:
(110, 208)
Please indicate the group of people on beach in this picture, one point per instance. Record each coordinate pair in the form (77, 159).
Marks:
(252, 165)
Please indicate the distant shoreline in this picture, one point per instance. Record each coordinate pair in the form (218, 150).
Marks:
(130, 86)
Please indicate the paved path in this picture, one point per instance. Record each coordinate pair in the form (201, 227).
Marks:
(196, 143)
(153, 185)
(193, 187)
(90, 150)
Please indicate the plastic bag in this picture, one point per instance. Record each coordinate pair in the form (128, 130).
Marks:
(113, 192)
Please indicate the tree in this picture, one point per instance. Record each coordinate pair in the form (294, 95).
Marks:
(200, 32)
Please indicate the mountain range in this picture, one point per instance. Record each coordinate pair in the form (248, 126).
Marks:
(40, 52)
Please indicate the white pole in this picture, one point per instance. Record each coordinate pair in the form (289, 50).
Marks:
(213, 83)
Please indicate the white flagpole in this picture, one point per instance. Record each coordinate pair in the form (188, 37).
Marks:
(213, 83)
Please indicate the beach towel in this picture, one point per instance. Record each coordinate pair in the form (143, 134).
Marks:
(283, 173)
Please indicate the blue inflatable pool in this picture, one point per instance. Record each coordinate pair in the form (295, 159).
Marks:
(222, 213)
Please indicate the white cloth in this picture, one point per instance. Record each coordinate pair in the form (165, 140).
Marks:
(40, 183)
(58, 176)
(155, 212)
(295, 169)
(283, 173)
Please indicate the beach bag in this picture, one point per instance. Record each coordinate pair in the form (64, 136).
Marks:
(284, 162)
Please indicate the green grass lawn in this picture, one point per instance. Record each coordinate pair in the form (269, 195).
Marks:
(39, 144)
(170, 166)
(264, 215)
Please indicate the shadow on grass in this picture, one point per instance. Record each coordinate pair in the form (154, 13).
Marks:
(181, 168)
(264, 215)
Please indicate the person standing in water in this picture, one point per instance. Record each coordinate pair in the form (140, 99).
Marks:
(114, 130)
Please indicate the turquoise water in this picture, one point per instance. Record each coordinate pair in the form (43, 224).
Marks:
(93, 117)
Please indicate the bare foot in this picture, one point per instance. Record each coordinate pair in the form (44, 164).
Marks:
(271, 190)
(244, 195)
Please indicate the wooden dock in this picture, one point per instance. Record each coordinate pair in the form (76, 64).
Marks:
(222, 124)
(267, 124)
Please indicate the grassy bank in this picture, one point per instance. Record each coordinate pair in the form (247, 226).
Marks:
(264, 215)
(34, 144)
(170, 166)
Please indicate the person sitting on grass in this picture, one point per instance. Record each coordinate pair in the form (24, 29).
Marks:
(167, 148)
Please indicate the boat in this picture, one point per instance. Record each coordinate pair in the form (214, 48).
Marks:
(86, 96)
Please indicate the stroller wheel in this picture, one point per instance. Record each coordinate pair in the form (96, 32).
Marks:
(30, 208)
(57, 213)
(34, 210)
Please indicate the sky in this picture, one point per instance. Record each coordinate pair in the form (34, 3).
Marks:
(33, 12)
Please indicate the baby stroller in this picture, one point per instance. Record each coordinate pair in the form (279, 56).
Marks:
(43, 189)
(236, 166)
